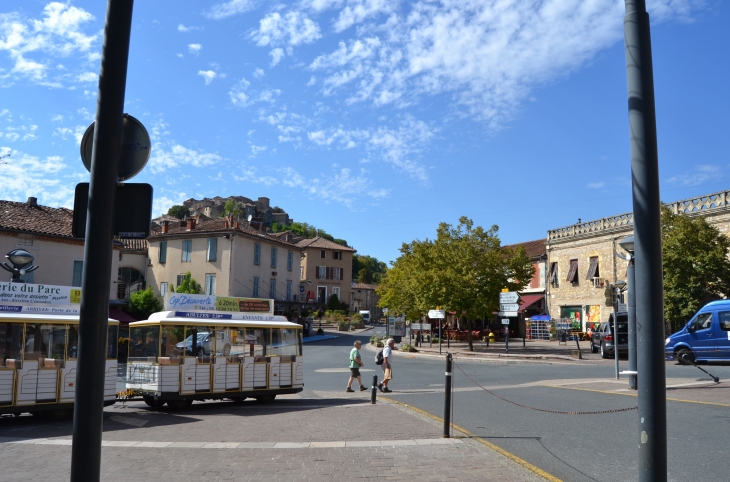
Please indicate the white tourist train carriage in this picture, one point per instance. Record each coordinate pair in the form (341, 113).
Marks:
(38, 356)
(176, 357)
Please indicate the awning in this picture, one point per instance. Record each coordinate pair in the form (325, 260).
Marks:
(527, 301)
(122, 317)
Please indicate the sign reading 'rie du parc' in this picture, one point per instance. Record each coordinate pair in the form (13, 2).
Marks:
(38, 294)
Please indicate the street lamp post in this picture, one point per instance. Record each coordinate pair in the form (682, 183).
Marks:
(628, 245)
(21, 261)
(652, 397)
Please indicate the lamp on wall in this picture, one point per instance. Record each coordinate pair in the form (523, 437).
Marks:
(22, 262)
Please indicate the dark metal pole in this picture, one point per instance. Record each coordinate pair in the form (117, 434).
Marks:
(615, 333)
(648, 245)
(374, 393)
(631, 304)
(441, 337)
(89, 402)
(447, 398)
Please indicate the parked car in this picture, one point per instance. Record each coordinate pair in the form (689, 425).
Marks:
(605, 340)
(203, 344)
(706, 337)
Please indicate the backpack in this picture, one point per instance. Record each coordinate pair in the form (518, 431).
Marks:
(379, 357)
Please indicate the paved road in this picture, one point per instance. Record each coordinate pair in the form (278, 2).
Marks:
(571, 447)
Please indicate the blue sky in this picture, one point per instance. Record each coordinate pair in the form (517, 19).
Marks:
(374, 119)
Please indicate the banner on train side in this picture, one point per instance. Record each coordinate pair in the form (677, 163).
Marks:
(39, 294)
(179, 301)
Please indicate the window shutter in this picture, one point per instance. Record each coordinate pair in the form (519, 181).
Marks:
(78, 271)
(328, 274)
(163, 252)
(342, 273)
(316, 272)
(592, 268)
(573, 272)
(212, 249)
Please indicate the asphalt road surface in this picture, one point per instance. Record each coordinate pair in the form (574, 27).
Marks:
(571, 447)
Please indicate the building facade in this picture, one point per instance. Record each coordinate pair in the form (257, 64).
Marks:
(326, 270)
(364, 297)
(45, 232)
(226, 258)
(582, 263)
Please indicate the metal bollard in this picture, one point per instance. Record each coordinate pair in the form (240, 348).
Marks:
(447, 398)
(374, 390)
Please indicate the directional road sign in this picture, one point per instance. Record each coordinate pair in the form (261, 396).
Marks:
(505, 321)
(509, 297)
(509, 306)
(507, 313)
(437, 314)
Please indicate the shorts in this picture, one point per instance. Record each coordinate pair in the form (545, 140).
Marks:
(354, 372)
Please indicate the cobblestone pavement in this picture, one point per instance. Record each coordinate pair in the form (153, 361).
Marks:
(291, 439)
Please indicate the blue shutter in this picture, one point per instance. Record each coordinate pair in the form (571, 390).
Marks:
(273, 257)
(212, 248)
(163, 252)
(289, 260)
(272, 289)
(256, 253)
(255, 286)
(78, 271)
(288, 289)
(187, 248)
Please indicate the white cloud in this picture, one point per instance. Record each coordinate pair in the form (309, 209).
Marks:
(208, 75)
(65, 132)
(596, 185)
(87, 77)
(189, 28)
(230, 8)
(486, 54)
(57, 118)
(179, 55)
(256, 150)
(5, 112)
(57, 34)
(346, 187)
(23, 132)
(33, 176)
(173, 155)
(346, 139)
(699, 175)
(400, 146)
(242, 96)
(194, 48)
(294, 28)
(258, 73)
(276, 55)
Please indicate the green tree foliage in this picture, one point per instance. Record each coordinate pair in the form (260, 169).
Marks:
(462, 270)
(696, 266)
(178, 211)
(333, 303)
(364, 276)
(277, 210)
(143, 303)
(375, 268)
(189, 285)
(231, 208)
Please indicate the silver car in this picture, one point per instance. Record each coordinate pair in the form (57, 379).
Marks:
(604, 339)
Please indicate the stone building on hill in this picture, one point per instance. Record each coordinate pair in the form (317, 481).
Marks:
(260, 210)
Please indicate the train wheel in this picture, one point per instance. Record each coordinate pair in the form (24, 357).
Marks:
(151, 402)
(179, 404)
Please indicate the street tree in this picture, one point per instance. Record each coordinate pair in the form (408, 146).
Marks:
(231, 208)
(696, 265)
(178, 211)
(189, 285)
(143, 303)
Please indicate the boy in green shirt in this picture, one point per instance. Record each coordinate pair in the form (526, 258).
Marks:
(355, 364)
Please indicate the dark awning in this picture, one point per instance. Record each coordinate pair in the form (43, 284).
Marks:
(119, 315)
(528, 300)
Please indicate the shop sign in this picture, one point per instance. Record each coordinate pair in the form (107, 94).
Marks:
(38, 294)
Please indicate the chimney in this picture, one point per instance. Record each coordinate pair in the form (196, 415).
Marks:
(191, 224)
(32, 202)
(165, 226)
(225, 223)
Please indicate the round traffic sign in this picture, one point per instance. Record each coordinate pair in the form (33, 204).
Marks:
(136, 147)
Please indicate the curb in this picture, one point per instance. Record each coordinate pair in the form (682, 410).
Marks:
(483, 357)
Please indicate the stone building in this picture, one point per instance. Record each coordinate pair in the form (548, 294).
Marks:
(532, 295)
(326, 270)
(260, 210)
(581, 260)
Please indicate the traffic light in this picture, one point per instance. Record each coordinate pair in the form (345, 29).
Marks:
(608, 293)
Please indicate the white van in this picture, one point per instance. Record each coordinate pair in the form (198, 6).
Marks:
(365, 316)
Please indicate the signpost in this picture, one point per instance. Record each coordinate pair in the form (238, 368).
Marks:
(508, 307)
(438, 314)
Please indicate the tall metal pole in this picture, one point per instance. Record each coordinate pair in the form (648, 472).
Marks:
(631, 303)
(648, 243)
(447, 397)
(89, 402)
(615, 332)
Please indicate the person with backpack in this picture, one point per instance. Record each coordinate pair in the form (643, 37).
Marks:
(355, 364)
(387, 357)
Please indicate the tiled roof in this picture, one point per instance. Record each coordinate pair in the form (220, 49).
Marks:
(135, 244)
(323, 243)
(532, 248)
(35, 219)
(363, 286)
(217, 226)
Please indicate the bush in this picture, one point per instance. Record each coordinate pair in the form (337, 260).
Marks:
(435, 339)
(333, 303)
(143, 303)
(408, 348)
(356, 318)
